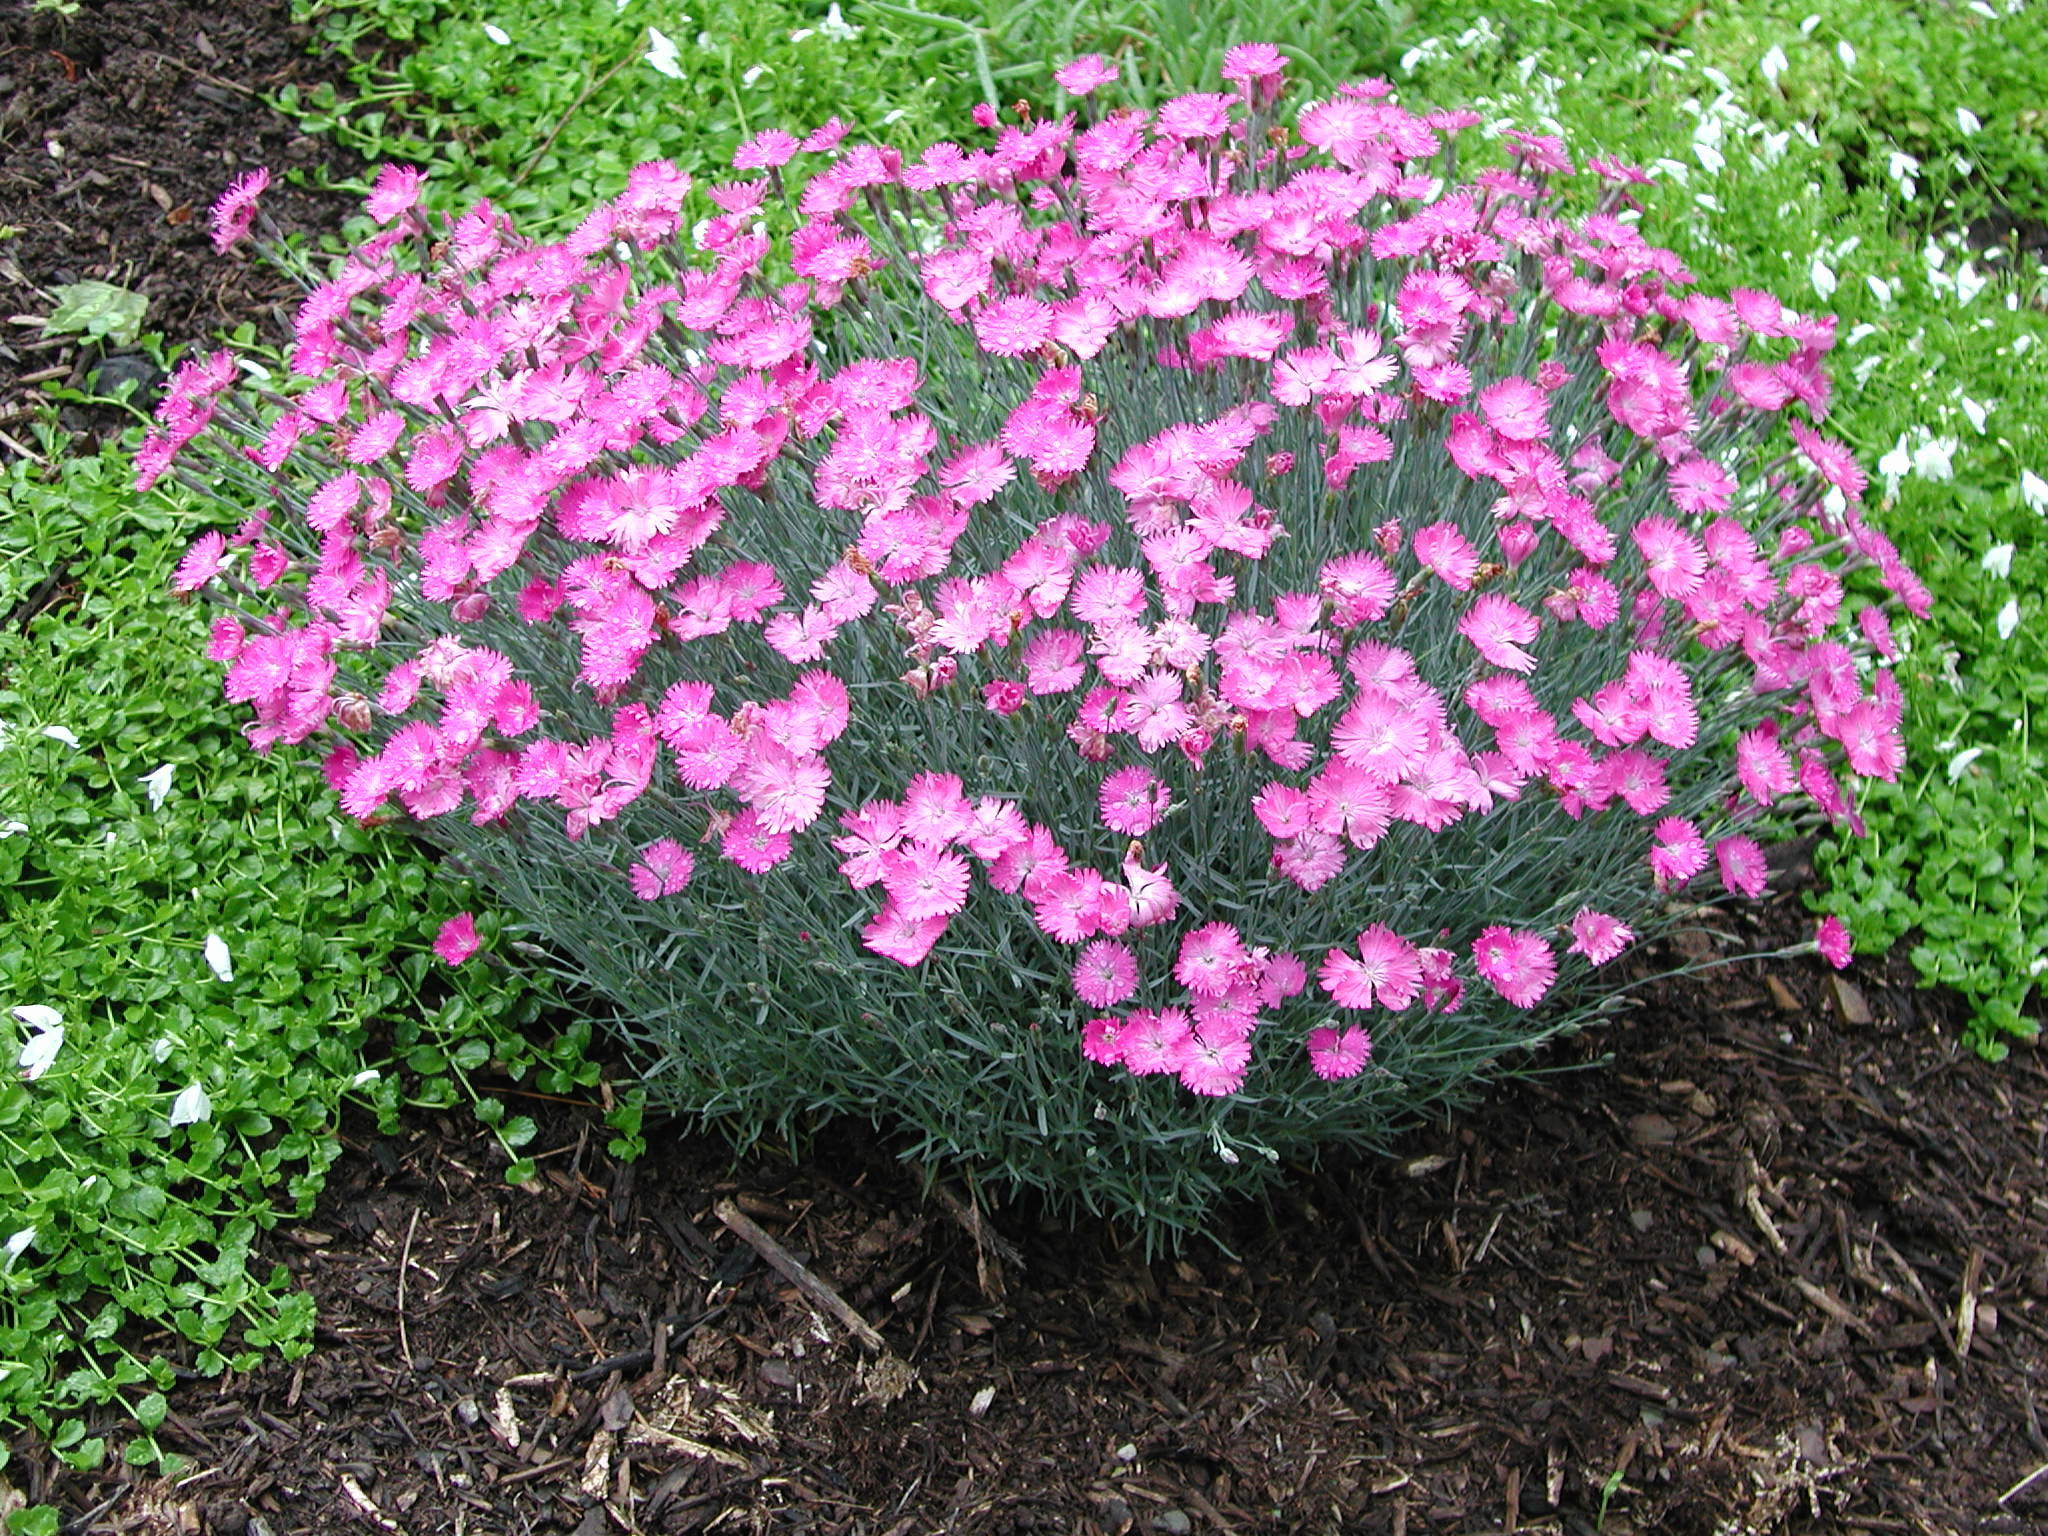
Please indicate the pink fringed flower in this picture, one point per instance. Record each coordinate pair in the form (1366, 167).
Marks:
(1210, 957)
(1743, 869)
(1678, 852)
(1831, 938)
(457, 940)
(1599, 937)
(1385, 970)
(1079, 76)
(1335, 1054)
(663, 869)
(1516, 964)
(1133, 800)
(235, 210)
(1106, 974)
(1499, 628)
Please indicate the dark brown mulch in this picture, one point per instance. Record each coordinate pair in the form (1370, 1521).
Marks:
(119, 126)
(1782, 1264)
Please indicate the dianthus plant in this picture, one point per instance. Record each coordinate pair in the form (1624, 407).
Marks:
(1155, 636)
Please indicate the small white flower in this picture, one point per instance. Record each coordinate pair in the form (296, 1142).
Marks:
(1708, 156)
(1969, 283)
(217, 958)
(1998, 561)
(753, 74)
(41, 1050)
(39, 1016)
(9, 828)
(1806, 27)
(1895, 464)
(364, 1078)
(1846, 54)
(1772, 64)
(2033, 491)
(1880, 290)
(801, 33)
(1822, 276)
(498, 35)
(662, 54)
(1935, 459)
(157, 784)
(1977, 413)
(835, 26)
(1774, 147)
(62, 733)
(2008, 618)
(161, 1047)
(1960, 763)
(1967, 121)
(191, 1107)
(17, 1245)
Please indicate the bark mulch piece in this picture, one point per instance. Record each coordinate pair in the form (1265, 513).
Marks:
(1756, 1268)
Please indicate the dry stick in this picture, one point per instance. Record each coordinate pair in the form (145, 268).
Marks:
(588, 91)
(405, 1263)
(785, 1263)
(2017, 1488)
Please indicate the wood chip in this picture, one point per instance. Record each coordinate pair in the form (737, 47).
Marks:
(1850, 1002)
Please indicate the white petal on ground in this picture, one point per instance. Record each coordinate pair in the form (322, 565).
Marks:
(157, 785)
(2008, 618)
(191, 1106)
(40, 1052)
(498, 35)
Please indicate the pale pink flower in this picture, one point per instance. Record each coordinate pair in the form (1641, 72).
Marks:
(1099, 1041)
(1517, 964)
(1311, 860)
(1762, 766)
(935, 810)
(1599, 937)
(1385, 971)
(1335, 1054)
(1499, 628)
(396, 192)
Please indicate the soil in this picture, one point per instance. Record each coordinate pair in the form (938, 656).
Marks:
(1769, 1254)
(119, 126)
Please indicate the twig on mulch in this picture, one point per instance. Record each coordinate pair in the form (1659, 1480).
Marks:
(405, 1263)
(785, 1263)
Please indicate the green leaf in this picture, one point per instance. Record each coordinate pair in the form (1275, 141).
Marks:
(97, 311)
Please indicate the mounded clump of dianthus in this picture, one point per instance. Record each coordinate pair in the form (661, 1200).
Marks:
(1136, 645)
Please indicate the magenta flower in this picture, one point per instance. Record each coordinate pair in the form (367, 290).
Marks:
(1385, 971)
(663, 869)
(1336, 1054)
(1210, 957)
(1212, 1066)
(202, 561)
(924, 880)
(906, 940)
(1079, 76)
(1133, 800)
(1831, 938)
(1517, 964)
(1743, 869)
(457, 940)
(396, 192)
(1677, 851)
(1106, 974)
(752, 845)
(234, 212)
(1150, 1041)
(1599, 937)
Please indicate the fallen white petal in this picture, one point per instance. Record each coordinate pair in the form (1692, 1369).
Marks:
(40, 1052)
(1961, 761)
(2008, 618)
(1967, 120)
(191, 1107)
(498, 35)
(61, 733)
(157, 784)
(217, 958)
